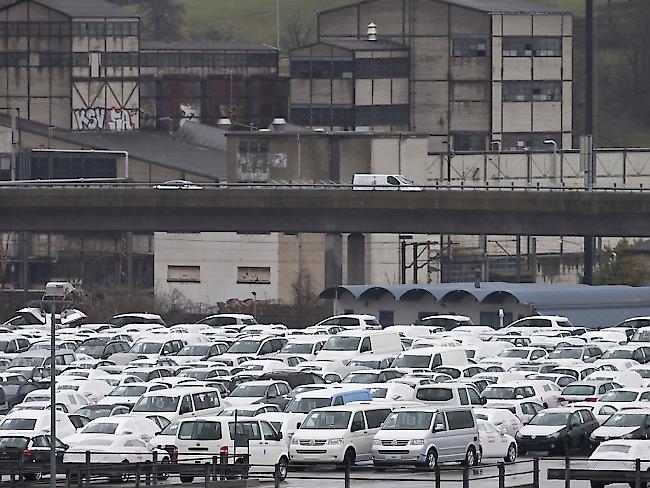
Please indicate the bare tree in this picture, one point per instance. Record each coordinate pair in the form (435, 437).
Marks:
(162, 20)
(298, 31)
(214, 34)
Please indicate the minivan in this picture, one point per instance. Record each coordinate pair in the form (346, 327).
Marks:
(181, 402)
(363, 342)
(382, 182)
(304, 403)
(198, 440)
(426, 436)
(448, 394)
(340, 435)
(427, 358)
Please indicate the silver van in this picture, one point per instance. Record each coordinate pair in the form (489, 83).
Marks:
(426, 436)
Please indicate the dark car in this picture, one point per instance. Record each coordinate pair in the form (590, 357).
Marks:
(99, 411)
(294, 378)
(33, 451)
(633, 423)
(102, 348)
(558, 430)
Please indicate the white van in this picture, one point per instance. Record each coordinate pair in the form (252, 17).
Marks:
(181, 402)
(427, 358)
(383, 182)
(448, 395)
(363, 342)
(199, 440)
(341, 434)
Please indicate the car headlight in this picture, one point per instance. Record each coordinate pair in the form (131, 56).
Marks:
(555, 435)
(417, 442)
(295, 441)
(335, 442)
(376, 442)
(518, 435)
(631, 435)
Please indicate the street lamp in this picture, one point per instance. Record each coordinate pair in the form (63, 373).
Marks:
(554, 144)
(277, 23)
(56, 292)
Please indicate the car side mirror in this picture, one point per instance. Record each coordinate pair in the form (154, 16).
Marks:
(519, 397)
(483, 400)
(439, 427)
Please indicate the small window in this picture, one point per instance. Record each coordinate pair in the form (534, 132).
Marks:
(183, 274)
(461, 419)
(375, 418)
(365, 345)
(474, 398)
(440, 421)
(251, 274)
(338, 401)
(357, 422)
(269, 432)
(186, 405)
(464, 399)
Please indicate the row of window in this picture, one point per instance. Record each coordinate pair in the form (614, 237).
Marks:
(535, 91)
(359, 116)
(44, 167)
(208, 59)
(532, 46)
(56, 29)
(361, 68)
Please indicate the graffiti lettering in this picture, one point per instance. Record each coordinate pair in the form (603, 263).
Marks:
(97, 118)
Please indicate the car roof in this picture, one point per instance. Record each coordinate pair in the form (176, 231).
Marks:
(177, 390)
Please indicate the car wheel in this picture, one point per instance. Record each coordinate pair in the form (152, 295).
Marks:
(185, 478)
(511, 456)
(282, 468)
(162, 470)
(597, 484)
(349, 458)
(37, 476)
(431, 462)
(470, 457)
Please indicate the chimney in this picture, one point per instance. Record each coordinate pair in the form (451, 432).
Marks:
(372, 31)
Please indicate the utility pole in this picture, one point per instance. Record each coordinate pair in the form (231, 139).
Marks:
(589, 128)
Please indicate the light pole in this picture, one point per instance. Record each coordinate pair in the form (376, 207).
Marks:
(498, 145)
(277, 24)
(554, 144)
(254, 303)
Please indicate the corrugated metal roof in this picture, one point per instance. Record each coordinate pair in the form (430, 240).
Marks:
(595, 316)
(365, 45)
(87, 8)
(204, 46)
(507, 6)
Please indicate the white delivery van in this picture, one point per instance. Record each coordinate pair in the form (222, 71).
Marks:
(427, 358)
(362, 342)
(449, 395)
(180, 402)
(383, 182)
(340, 435)
(199, 440)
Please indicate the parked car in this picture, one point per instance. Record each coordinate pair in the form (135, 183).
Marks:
(33, 452)
(496, 443)
(626, 424)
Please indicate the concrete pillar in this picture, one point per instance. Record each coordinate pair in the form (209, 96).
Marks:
(333, 259)
(356, 259)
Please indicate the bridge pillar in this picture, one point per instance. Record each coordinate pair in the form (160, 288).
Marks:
(356, 259)
(333, 259)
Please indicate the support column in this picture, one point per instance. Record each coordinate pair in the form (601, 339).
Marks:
(356, 259)
(333, 259)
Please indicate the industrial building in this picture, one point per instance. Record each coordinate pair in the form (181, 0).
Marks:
(473, 74)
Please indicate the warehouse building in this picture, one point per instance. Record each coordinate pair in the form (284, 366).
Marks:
(474, 74)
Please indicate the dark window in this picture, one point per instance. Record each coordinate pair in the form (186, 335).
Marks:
(376, 115)
(329, 116)
(536, 91)
(321, 69)
(469, 47)
(464, 399)
(532, 46)
(461, 419)
(382, 68)
(374, 418)
(358, 422)
(469, 142)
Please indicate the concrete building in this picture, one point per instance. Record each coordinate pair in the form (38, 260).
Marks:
(585, 306)
(470, 73)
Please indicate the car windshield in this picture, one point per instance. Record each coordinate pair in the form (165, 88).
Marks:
(19, 443)
(327, 420)
(447, 323)
(297, 348)
(244, 347)
(249, 391)
(95, 412)
(128, 391)
(641, 336)
(146, 348)
(194, 350)
(618, 354)
(565, 354)
(550, 418)
(364, 378)
(626, 420)
(306, 405)
(434, 394)
(619, 396)
(100, 428)
(514, 353)
(156, 404)
(18, 424)
(342, 343)
(613, 448)
(411, 361)
(26, 362)
(579, 390)
(408, 421)
(645, 373)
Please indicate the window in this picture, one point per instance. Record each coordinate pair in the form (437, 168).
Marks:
(200, 431)
(365, 345)
(461, 419)
(435, 394)
(373, 115)
(254, 274)
(374, 418)
(321, 68)
(186, 405)
(474, 398)
(462, 393)
(366, 68)
(532, 46)
(357, 422)
(183, 274)
(536, 91)
(269, 432)
(469, 47)
(529, 141)
(322, 116)
(206, 400)
(469, 142)
(440, 421)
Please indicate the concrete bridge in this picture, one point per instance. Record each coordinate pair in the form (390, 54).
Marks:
(324, 209)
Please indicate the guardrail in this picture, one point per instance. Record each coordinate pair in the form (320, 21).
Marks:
(223, 467)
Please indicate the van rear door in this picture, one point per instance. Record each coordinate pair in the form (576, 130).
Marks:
(198, 440)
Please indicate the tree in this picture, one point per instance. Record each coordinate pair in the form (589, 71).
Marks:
(619, 265)
(214, 34)
(162, 20)
(297, 31)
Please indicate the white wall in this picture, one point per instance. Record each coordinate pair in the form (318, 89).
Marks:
(218, 255)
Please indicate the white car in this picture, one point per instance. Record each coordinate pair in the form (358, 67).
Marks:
(24, 422)
(618, 455)
(496, 443)
(524, 410)
(510, 357)
(500, 418)
(71, 399)
(539, 391)
(140, 427)
(129, 394)
(391, 391)
(114, 449)
(94, 390)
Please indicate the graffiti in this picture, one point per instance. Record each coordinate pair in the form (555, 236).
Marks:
(109, 119)
(257, 167)
(188, 112)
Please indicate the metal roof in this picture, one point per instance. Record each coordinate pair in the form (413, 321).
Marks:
(365, 45)
(204, 46)
(86, 8)
(506, 6)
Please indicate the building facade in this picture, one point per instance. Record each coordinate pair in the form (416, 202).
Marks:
(470, 73)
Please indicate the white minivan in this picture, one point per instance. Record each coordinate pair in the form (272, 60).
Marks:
(383, 182)
(427, 358)
(180, 402)
(344, 345)
(199, 440)
(340, 435)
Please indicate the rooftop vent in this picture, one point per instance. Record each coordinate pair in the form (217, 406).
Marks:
(372, 31)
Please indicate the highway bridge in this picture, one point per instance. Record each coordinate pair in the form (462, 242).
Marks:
(323, 209)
